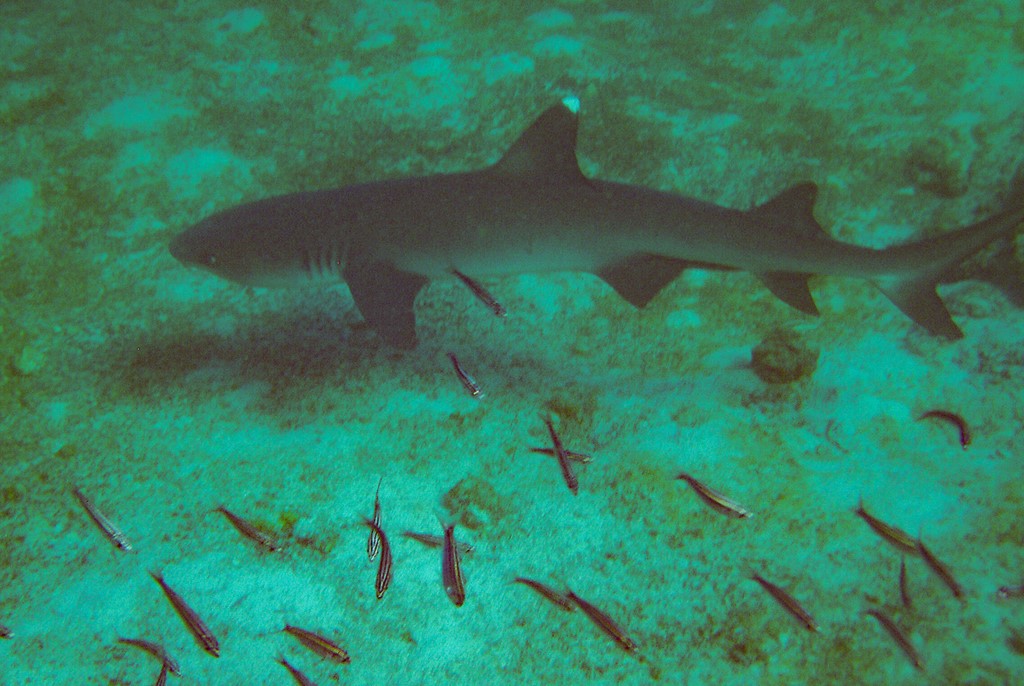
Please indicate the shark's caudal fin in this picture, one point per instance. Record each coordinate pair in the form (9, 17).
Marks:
(912, 289)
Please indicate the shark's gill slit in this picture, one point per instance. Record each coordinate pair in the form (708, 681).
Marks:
(307, 268)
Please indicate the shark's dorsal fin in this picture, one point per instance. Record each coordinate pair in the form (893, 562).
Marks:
(548, 147)
(385, 297)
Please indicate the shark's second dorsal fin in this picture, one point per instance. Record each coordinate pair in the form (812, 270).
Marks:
(548, 147)
(791, 211)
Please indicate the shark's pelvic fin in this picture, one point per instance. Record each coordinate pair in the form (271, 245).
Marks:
(916, 298)
(385, 297)
(791, 289)
(548, 147)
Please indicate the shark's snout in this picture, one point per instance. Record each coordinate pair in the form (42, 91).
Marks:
(190, 248)
(179, 249)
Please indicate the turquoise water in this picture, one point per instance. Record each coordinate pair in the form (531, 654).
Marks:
(163, 393)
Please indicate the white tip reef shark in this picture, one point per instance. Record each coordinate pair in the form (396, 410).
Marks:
(535, 211)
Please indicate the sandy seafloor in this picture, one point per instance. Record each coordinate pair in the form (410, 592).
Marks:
(163, 392)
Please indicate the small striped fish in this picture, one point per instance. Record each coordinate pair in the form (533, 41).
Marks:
(548, 593)
(112, 533)
(199, 630)
(156, 650)
(788, 602)
(905, 585)
(373, 542)
(467, 381)
(249, 530)
(941, 570)
(384, 567)
(435, 541)
(898, 636)
(582, 458)
(1004, 592)
(563, 458)
(321, 645)
(715, 500)
(451, 569)
(603, 621)
(897, 538)
(481, 293)
(300, 678)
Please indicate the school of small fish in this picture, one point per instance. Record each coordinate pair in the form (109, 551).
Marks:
(452, 551)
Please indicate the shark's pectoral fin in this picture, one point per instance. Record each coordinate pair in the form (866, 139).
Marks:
(791, 289)
(385, 297)
(639, 278)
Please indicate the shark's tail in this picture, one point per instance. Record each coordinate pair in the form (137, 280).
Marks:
(921, 265)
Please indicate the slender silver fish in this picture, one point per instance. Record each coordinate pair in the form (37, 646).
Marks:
(435, 541)
(112, 533)
(582, 458)
(898, 538)
(467, 381)
(482, 293)
(548, 593)
(156, 650)
(451, 569)
(788, 602)
(249, 530)
(602, 620)
(321, 645)
(715, 500)
(963, 431)
(1007, 592)
(199, 630)
(897, 635)
(904, 585)
(941, 570)
(384, 566)
(373, 542)
(300, 678)
(563, 457)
